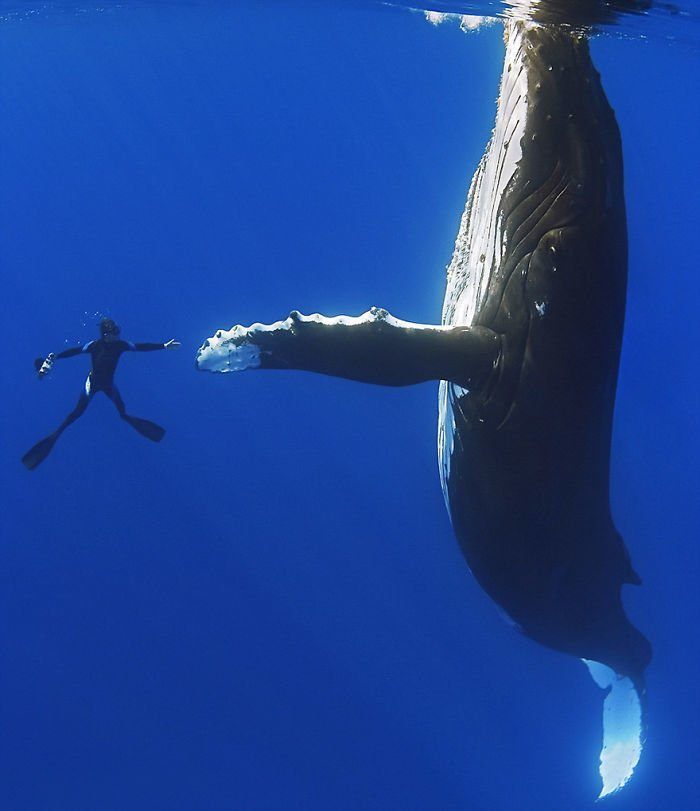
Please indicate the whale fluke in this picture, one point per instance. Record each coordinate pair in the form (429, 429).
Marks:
(623, 726)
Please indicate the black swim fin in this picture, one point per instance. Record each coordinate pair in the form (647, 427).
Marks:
(36, 455)
(146, 428)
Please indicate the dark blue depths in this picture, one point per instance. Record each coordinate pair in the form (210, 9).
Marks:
(268, 609)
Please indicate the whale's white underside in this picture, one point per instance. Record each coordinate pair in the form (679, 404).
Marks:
(480, 245)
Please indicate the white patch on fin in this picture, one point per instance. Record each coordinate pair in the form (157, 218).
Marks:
(228, 352)
(622, 727)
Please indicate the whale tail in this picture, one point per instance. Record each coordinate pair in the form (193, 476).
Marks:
(623, 726)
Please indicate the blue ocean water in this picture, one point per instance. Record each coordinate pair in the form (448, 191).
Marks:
(268, 610)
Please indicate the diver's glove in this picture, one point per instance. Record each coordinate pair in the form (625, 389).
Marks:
(43, 367)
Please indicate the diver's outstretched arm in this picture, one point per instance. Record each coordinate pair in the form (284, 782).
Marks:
(72, 352)
(146, 347)
(44, 365)
(372, 348)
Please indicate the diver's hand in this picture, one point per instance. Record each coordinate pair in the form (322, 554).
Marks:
(172, 344)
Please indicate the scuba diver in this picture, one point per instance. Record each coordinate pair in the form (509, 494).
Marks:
(104, 353)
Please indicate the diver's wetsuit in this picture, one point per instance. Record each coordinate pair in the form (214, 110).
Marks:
(105, 356)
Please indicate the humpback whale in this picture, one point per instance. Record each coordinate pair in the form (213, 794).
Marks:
(527, 358)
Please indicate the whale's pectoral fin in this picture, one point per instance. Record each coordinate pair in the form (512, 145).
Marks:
(372, 348)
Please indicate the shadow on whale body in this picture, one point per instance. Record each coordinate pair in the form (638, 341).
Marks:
(527, 354)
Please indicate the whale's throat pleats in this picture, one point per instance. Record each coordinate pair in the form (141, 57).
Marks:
(479, 248)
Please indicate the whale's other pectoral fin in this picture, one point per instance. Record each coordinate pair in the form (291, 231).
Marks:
(372, 348)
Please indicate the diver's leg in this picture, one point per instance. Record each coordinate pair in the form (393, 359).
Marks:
(373, 348)
(116, 398)
(36, 455)
(145, 427)
(79, 410)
